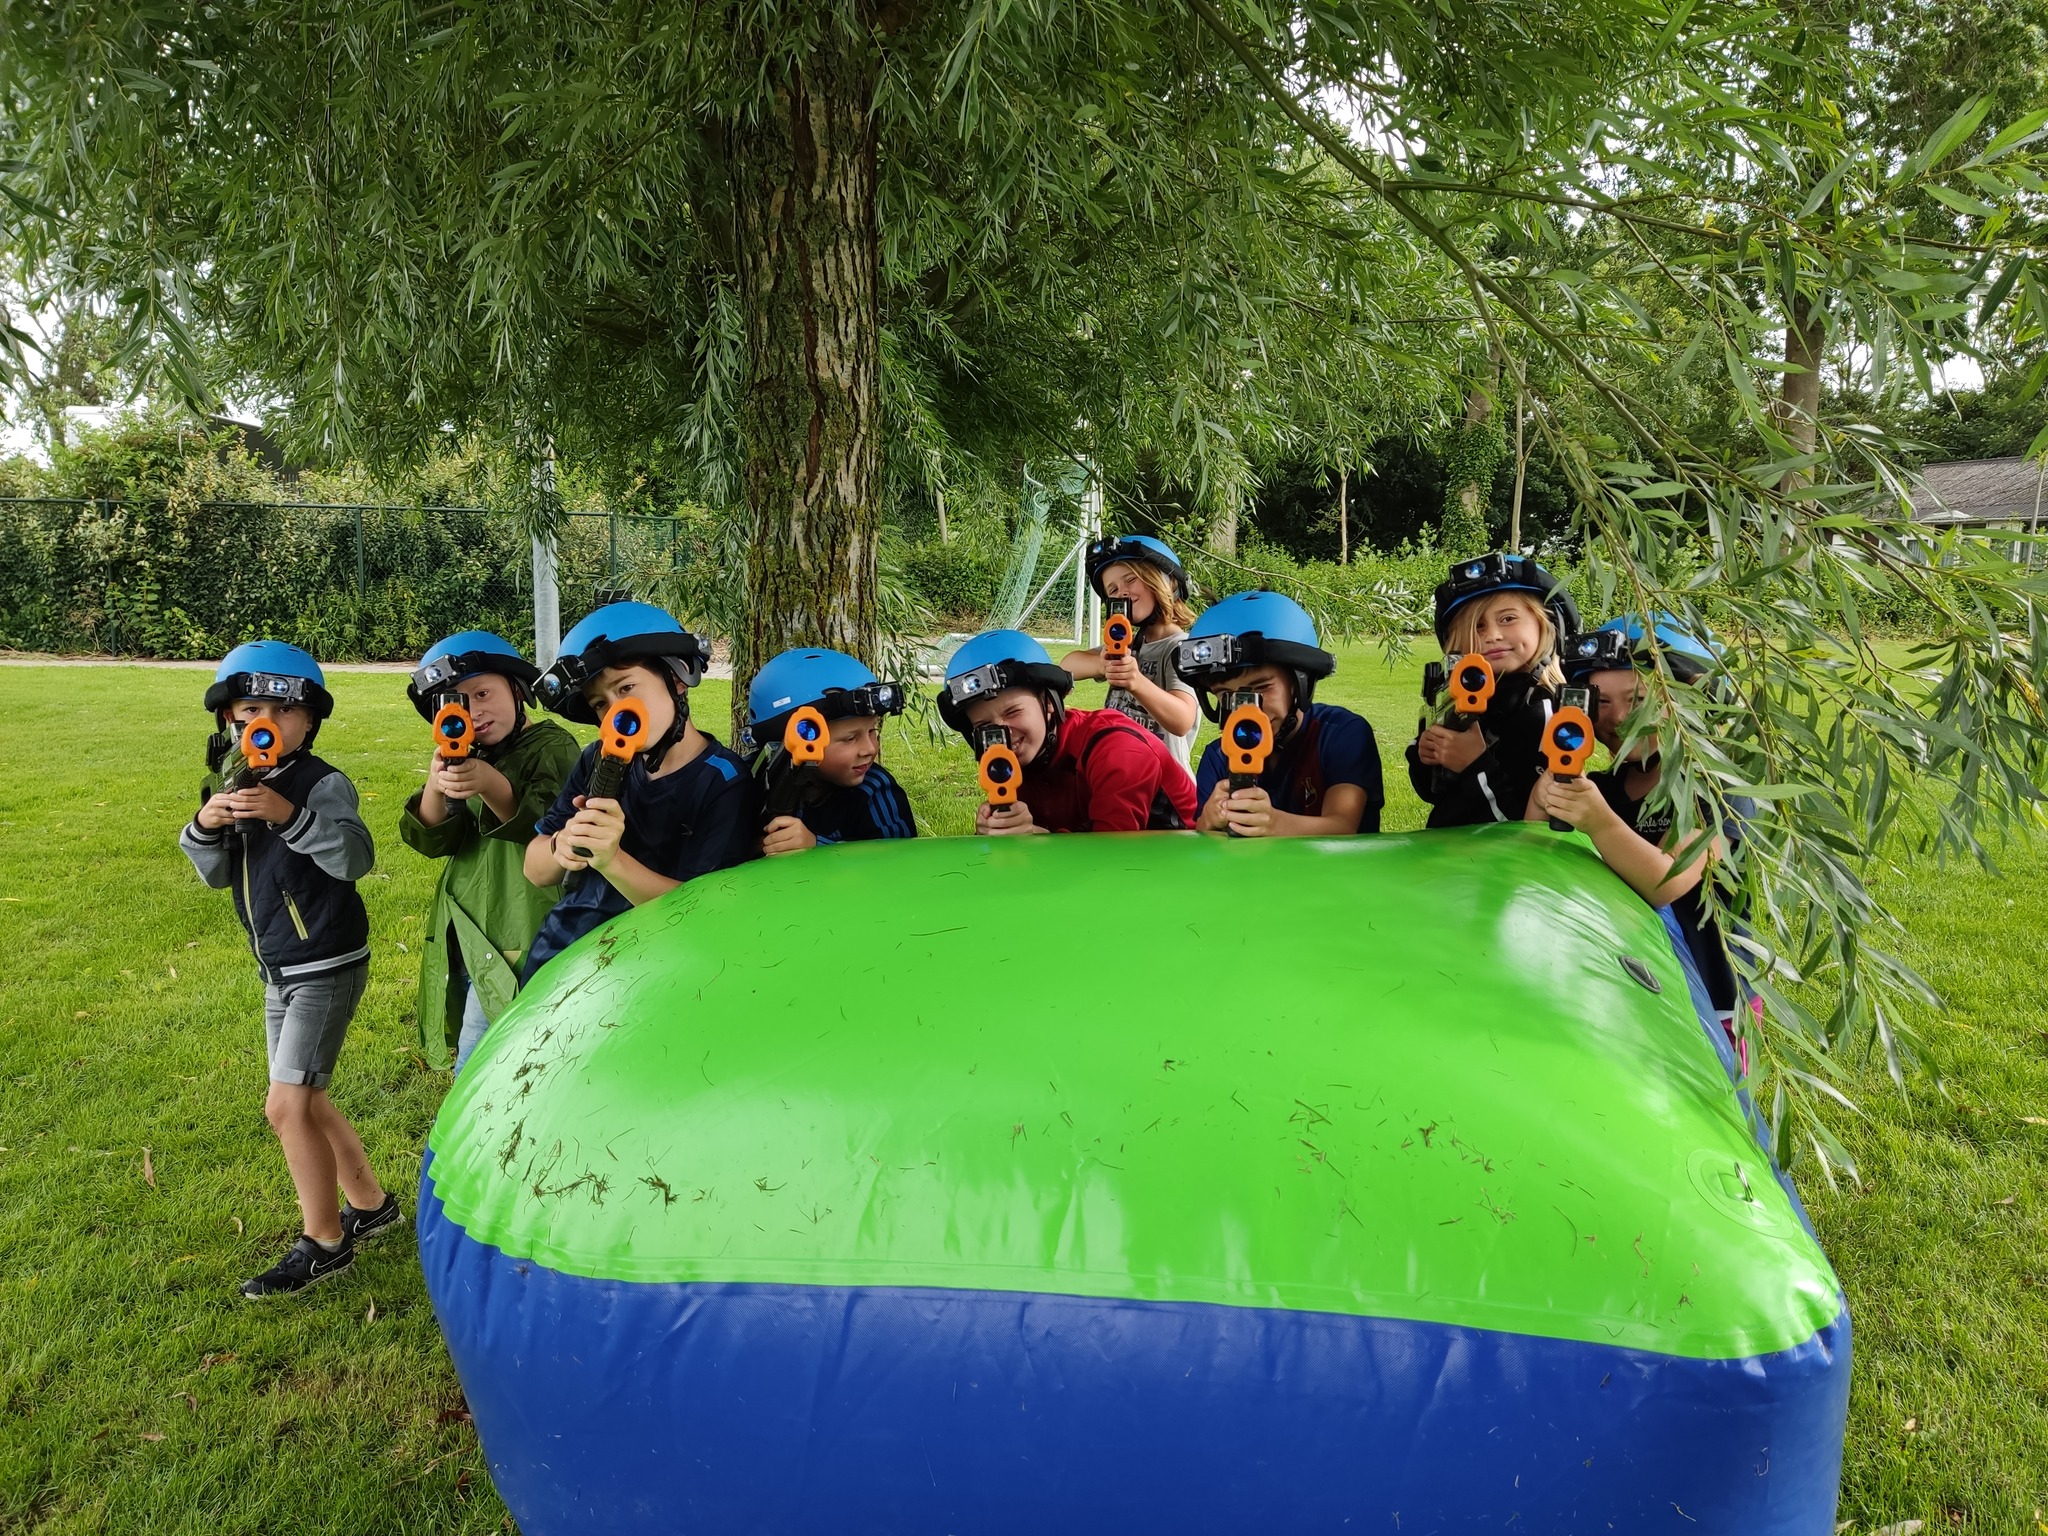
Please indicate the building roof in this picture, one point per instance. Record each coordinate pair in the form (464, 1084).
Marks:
(1974, 492)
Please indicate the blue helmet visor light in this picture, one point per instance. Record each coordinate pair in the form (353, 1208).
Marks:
(567, 676)
(1604, 650)
(440, 675)
(1216, 655)
(991, 678)
(274, 689)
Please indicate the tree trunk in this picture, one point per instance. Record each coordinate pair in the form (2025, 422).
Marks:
(945, 535)
(807, 248)
(1343, 515)
(1223, 530)
(1521, 470)
(1475, 454)
(1799, 401)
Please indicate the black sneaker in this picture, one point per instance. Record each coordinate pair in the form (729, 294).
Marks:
(306, 1263)
(360, 1226)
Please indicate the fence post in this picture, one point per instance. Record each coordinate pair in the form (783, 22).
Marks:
(547, 604)
(361, 580)
(611, 578)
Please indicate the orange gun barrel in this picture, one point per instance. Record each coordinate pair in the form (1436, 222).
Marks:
(620, 737)
(454, 731)
(1001, 772)
(1471, 681)
(1567, 744)
(1119, 632)
(805, 736)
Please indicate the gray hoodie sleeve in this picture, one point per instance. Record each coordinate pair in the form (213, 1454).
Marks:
(329, 830)
(208, 852)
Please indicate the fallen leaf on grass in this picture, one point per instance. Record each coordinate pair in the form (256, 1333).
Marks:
(402, 949)
(2008, 1200)
(81, 1014)
(462, 1480)
(1912, 1426)
(191, 1402)
(148, 1169)
(150, 1434)
(238, 1224)
(174, 973)
(371, 1315)
(193, 945)
(208, 1361)
(454, 1416)
(2032, 1120)
(1903, 1528)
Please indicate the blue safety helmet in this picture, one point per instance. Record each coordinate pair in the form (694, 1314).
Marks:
(994, 660)
(274, 671)
(1484, 575)
(839, 686)
(1252, 629)
(610, 636)
(1628, 644)
(1138, 549)
(464, 655)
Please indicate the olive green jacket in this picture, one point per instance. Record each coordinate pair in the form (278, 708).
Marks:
(484, 905)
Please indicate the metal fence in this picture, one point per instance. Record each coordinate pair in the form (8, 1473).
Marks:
(351, 582)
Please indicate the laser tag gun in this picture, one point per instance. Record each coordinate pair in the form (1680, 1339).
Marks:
(1247, 739)
(789, 777)
(1467, 679)
(454, 730)
(259, 748)
(1119, 632)
(1001, 773)
(621, 735)
(1568, 741)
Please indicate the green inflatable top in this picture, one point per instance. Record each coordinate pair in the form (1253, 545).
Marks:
(1401, 1076)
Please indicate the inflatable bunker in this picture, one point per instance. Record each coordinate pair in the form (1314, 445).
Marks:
(1148, 1183)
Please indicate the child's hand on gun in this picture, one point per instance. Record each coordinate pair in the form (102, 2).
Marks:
(1574, 801)
(1245, 812)
(258, 803)
(1122, 671)
(787, 834)
(218, 812)
(1442, 747)
(463, 778)
(1004, 820)
(591, 839)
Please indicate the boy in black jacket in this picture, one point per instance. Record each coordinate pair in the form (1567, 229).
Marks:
(280, 831)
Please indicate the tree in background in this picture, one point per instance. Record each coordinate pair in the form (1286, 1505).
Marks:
(811, 250)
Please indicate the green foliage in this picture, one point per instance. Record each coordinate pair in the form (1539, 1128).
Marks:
(957, 580)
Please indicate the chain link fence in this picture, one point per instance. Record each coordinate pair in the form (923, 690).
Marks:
(348, 582)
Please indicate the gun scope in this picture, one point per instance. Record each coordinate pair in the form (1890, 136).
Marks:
(1568, 743)
(805, 736)
(1470, 679)
(1001, 772)
(454, 729)
(621, 734)
(1118, 629)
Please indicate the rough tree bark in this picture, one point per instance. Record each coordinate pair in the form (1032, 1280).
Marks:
(807, 252)
(1798, 408)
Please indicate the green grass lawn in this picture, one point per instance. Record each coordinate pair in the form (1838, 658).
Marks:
(140, 1395)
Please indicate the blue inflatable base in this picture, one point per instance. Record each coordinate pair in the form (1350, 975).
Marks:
(614, 1407)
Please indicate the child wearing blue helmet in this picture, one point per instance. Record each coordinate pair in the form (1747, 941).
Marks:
(477, 812)
(1612, 806)
(1322, 778)
(1517, 615)
(1147, 574)
(279, 828)
(686, 806)
(847, 796)
(1084, 770)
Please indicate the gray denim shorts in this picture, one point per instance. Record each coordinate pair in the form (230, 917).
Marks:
(306, 1021)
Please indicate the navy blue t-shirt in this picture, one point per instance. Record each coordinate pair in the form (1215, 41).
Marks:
(683, 824)
(858, 813)
(1331, 746)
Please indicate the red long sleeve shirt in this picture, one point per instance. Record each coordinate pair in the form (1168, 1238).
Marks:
(1108, 775)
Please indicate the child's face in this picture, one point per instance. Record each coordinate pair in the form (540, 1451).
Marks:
(493, 706)
(855, 747)
(1022, 711)
(1273, 685)
(633, 680)
(1508, 633)
(292, 721)
(1620, 693)
(1122, 580)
